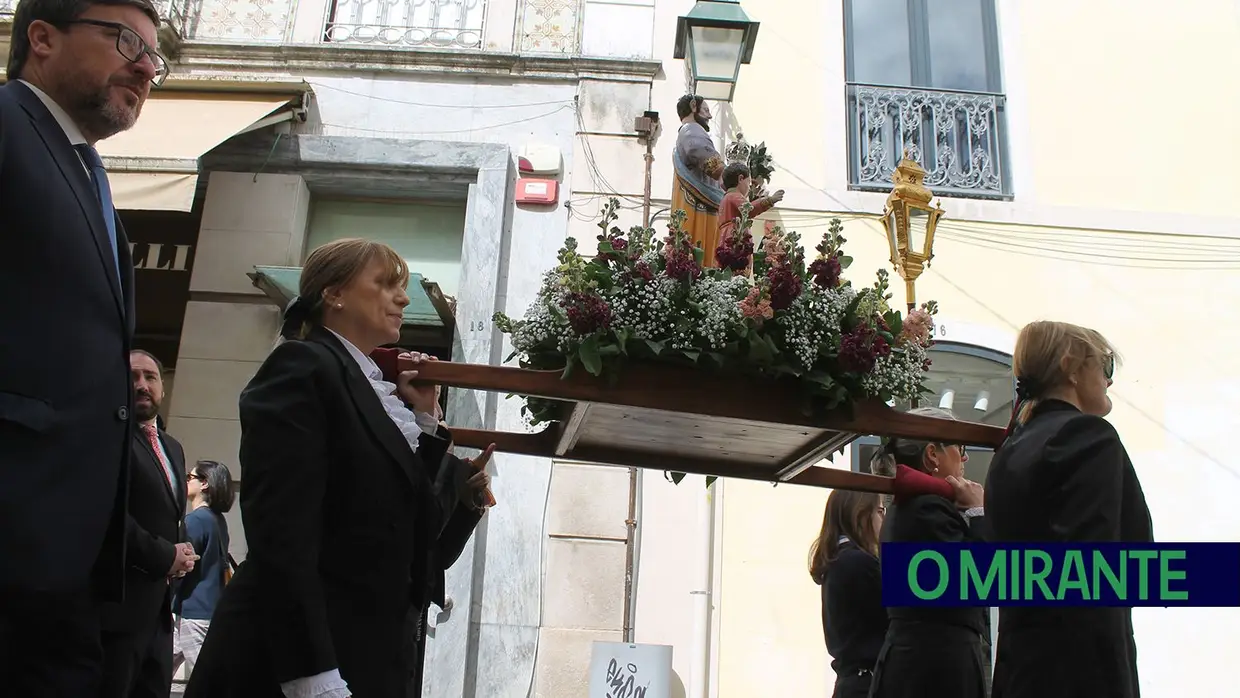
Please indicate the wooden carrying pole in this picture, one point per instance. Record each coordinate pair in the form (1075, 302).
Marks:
(668, 417)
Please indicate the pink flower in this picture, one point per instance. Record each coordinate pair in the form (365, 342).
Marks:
(774, 249)
(917, 327)
(755, 307)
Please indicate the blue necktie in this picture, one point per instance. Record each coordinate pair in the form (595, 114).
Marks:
(99, 177)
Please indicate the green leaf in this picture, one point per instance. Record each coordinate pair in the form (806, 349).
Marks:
(622, 339)
(655, 347)
(674, 477)
(760, 351)
(699, 254)
(591, 361)
(692, 354)
(710, 480)
(822, 380)
(609, 350)
(718, 359)
(512, 356)
(895, 322)
(845, 261)
(569, 364)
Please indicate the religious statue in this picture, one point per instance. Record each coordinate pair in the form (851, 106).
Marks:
(740, 180)
(698, 190)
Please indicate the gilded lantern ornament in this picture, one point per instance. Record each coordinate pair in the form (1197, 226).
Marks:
(910, 222)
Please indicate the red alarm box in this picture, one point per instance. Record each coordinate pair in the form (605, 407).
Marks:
(537, 191)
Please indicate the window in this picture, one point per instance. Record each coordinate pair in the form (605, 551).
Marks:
(923, 77)
(428, 236)
(975, 384)
(434, 23)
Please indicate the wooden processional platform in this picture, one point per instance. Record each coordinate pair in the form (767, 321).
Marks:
(669, 418)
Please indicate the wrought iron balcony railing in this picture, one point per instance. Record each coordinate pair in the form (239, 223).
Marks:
(958, 137)
(437, 23)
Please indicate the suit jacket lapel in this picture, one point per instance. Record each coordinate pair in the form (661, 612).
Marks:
(371, 409)
(74, 172)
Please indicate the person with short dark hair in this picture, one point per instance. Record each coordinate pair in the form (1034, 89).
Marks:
(210, 490)
(137, 633)
(78, 72)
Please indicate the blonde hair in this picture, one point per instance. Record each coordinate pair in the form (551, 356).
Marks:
(336, 265)
(1047, 354)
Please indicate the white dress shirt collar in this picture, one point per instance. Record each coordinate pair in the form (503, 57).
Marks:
(411, 425)
(62, 117)
(369, 368)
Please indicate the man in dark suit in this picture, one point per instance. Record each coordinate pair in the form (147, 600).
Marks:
(78, 72)
(137, 634)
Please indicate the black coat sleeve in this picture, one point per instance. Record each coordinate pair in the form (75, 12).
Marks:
(1085, 467)
(284, 457)
(146, 551)
(455, 535)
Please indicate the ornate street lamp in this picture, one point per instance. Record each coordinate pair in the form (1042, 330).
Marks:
(717, 37)
(910, 222)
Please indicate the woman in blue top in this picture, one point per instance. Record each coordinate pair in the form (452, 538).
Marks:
(210, 496)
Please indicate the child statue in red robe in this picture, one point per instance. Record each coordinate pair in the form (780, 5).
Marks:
(737, 181)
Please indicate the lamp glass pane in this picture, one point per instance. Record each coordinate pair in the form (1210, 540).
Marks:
(893, 234)
(918, 222)
(713, 90)
(716, 52)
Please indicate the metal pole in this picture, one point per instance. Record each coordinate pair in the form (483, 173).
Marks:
(910, 294)
(630, 521)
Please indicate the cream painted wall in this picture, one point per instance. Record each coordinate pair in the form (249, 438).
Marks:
(1173, 409)
(1120, 221)
(1095, 92)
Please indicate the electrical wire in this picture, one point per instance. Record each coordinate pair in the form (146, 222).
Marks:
(871, 223)
(333, 88)
(474, 129)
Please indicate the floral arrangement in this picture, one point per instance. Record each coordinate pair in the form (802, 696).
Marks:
(639, 298)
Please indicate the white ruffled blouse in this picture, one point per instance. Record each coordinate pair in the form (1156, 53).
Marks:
(411, 425)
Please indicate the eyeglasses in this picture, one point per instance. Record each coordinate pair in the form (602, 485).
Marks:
(194, 476)
(131, 47)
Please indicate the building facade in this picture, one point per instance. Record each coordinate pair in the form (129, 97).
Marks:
(1074, 189)
(289, 123)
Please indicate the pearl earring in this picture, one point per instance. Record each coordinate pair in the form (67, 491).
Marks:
(340, 305)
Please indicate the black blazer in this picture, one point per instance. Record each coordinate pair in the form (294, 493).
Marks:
(343, 521)
(1065, 476)
(929, 518)
(854, 621)
(65, 392)
(156, 523)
